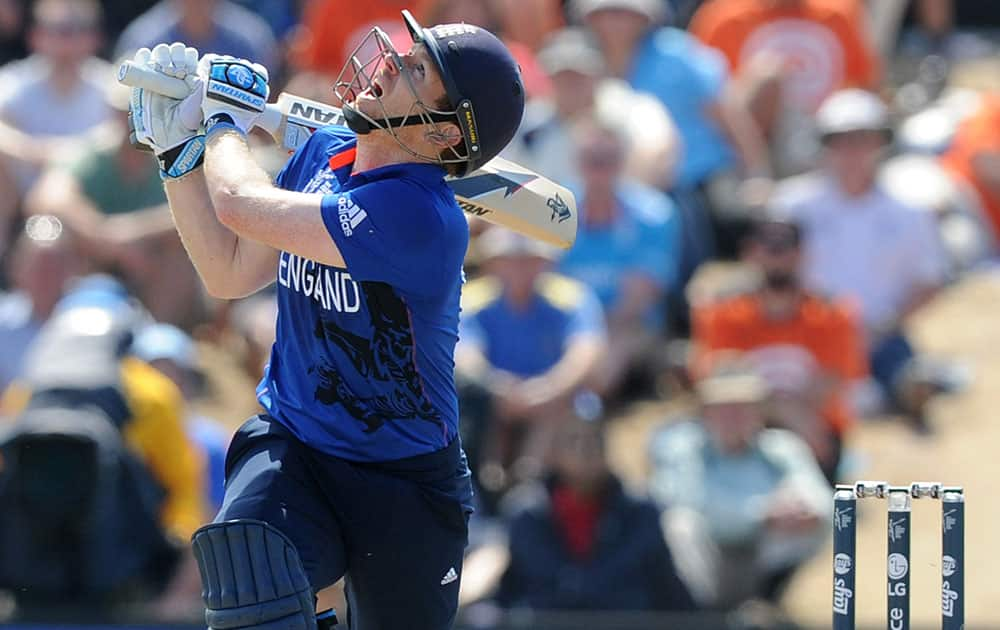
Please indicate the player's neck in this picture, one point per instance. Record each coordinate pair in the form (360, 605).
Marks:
(378, 149)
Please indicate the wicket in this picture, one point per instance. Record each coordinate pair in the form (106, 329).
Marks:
(898, 499)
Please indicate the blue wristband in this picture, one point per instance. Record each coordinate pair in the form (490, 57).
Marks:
(221, 122)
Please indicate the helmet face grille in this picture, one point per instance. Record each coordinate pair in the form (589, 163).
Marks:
(358, 76)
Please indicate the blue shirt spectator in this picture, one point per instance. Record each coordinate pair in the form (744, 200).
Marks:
(641, 239)
(529, 341)
(688, 78)
(211, 26)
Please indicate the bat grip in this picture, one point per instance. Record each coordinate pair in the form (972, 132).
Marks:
(134, 75)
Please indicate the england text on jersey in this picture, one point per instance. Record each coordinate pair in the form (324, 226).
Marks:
(332, 288)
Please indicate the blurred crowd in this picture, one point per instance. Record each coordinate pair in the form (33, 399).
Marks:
(769, 192)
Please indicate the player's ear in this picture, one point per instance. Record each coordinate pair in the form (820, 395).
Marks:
(444, 135)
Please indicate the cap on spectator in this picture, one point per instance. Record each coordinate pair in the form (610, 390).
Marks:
(498, 241)
(852, 110)
(655, 10)
(166, 342)
(96, 291)
(570, 49)
(732, 386)
(776, 233)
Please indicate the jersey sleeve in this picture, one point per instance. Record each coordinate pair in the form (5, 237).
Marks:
(392, 231)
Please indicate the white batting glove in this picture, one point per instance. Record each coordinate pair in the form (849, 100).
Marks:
(235, 91)
(170, 127)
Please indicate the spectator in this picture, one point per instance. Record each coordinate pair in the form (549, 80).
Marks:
(580, 87)
(529, 338)
(722, 144)
(42, 261)
(821, 46)
(331, 29)
(211, 26)
(809, 350)
(626, 251)
(112, 196)
(790, 56)
(934, 33)
(852, 227)
(172, 352)
(745, 506)
(496, 17)
(13, 27)
(119, 515)
(581, 542)
(973, 158)
(54, 100)
(529, 22)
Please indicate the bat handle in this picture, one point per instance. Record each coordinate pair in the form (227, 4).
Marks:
(134, 75)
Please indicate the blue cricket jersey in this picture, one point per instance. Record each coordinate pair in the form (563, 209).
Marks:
(363, 363)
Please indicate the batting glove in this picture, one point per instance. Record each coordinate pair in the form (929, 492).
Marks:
(171, 128)
(235, 92)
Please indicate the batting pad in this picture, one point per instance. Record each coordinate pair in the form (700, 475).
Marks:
(252, 577)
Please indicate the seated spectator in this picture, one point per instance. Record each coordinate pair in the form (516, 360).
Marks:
(497, 17)
(580, 541)
(331, 29)
(41, 262)
(581, 87)
(54, 101)
(973, 158)
(529, 339)
(933, 33)
(745, 506)
(790, 55)
(112, 196)
(723, 146)
(172, 352)
(110, 501)
(809, 350)
(13, 27)
(211, 26)
(626, 250)
(852, 228)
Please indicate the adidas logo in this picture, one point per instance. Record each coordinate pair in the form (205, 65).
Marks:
(449, 577)
(349, 214)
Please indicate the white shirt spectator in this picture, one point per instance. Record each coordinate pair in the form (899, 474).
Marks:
(874, 249)
(544, 142)
(31, 104)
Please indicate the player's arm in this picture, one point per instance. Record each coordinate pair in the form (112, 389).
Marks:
(229, 265)
(235, 92)
(247, 203)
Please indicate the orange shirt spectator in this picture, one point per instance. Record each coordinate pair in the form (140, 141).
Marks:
(332, 28)
(974, 157)
(822, 44)
(829, 332)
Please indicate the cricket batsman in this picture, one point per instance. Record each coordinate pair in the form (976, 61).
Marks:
(355, 467)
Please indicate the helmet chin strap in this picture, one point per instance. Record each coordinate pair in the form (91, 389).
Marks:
(361, 125)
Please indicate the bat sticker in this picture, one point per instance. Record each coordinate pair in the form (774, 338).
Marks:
(481, 185)
(559, 208)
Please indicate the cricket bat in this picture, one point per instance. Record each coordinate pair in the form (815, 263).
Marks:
(499, 192)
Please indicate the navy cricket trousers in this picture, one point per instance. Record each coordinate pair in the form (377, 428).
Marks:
(397, 529)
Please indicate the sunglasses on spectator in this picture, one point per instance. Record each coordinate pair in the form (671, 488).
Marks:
(67, 27)
(599, 159)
